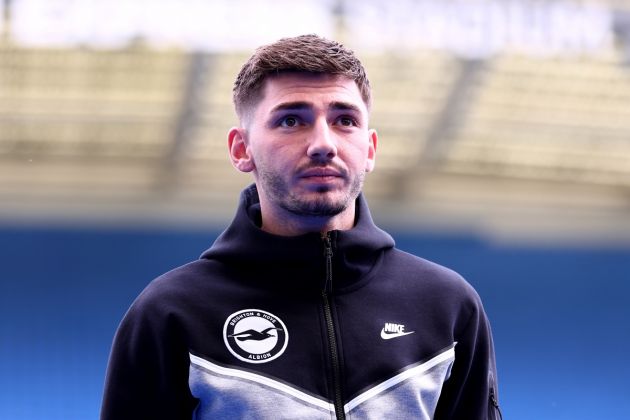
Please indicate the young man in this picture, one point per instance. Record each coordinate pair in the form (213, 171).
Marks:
(303, 308)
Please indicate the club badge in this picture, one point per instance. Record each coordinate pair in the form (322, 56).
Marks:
(255, 336)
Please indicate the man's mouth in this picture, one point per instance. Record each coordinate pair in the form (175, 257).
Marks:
(321, 173)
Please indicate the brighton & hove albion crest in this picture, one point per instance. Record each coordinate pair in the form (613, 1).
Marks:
(255, 336)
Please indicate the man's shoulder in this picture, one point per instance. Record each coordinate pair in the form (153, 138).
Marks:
(183, 283)
(429, 275)
(412, 263)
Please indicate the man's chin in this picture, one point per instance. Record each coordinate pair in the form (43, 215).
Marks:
(321, 206)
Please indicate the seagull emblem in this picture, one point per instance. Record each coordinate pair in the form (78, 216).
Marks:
(254, 335)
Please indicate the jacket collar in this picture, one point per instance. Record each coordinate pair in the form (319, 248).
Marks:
(298, 260)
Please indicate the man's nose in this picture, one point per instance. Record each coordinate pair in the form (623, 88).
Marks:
(322, 145)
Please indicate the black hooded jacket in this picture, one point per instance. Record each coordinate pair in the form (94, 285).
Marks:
(306, 327)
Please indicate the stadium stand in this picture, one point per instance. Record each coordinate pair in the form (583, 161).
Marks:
(139, 134)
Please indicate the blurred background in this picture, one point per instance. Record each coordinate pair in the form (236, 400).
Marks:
(504, 153)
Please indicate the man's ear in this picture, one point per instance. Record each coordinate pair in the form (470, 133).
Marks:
(371, 157)
(239, 151)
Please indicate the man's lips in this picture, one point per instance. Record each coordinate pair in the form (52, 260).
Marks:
(320, 173)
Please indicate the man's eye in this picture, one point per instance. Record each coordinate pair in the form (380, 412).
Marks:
(289, 122)
(346, 122)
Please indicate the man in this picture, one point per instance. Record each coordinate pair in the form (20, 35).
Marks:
(303, 308)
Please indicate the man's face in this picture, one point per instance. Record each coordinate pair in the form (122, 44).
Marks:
(309, 143)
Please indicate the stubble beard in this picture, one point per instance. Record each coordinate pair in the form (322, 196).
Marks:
(321, 206)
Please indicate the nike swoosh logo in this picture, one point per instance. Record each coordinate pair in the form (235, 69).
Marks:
(389, 336)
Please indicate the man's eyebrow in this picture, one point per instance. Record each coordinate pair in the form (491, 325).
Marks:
(291, 106)
(303, 105)
(344, 106)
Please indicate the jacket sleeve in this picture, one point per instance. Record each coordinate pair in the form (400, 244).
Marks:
(147, 374)
(471, 391)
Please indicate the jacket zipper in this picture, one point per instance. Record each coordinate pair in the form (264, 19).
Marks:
(332, 340)
(495, 403)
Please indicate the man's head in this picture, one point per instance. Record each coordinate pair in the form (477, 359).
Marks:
(304, 133)
(301, 54)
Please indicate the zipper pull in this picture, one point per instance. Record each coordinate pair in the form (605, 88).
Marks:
(328, 254)
(327, 245)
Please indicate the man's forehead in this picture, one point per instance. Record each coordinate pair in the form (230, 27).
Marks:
(287, 86)
(305, 75)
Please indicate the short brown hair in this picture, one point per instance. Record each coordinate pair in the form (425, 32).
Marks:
(304, 53)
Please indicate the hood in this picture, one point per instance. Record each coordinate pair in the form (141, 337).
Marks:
(298, 260)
